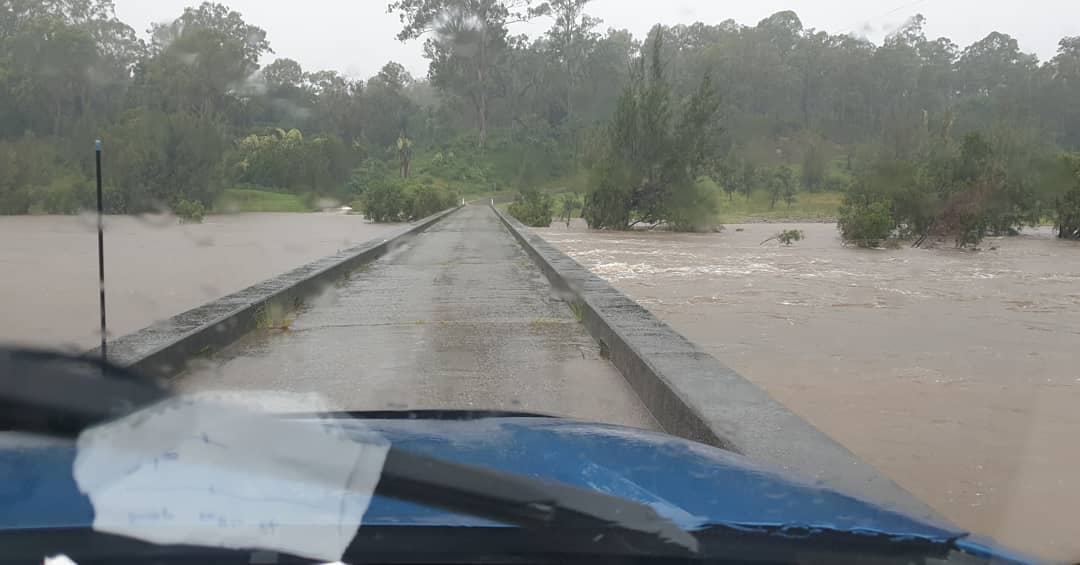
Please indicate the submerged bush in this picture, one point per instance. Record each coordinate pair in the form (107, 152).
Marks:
(866, 225)
(190, 212)
(533, 209)
(384, 201)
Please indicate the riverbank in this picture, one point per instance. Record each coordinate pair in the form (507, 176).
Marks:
(952, 372)
(782, 220)
(251, 200)
(808, 207)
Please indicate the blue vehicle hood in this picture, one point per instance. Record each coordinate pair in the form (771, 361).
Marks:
(692, 484)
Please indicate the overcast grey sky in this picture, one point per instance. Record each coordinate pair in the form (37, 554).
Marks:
(356, 37)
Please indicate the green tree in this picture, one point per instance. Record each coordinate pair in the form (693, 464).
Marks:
(288, 160)
(569, 204)
(572, 37)
(617, 116)
(386, 112)
(1062, 89)
(726, 173)
(782, 185)
(158, 159)
(285, 73)
(789, 193)
(813, 168)
(198, 59)
(748, 176)
(28, 165)
(654, 154)
(466, 40)
(337, 106)
(1068, 208)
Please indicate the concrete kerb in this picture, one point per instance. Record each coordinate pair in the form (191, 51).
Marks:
(164, 349)
(694, 396)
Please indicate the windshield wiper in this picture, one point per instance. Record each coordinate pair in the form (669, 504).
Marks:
(522, 501)
(60, 395)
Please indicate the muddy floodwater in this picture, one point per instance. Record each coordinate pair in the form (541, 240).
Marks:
(955, 373)
(155, 267)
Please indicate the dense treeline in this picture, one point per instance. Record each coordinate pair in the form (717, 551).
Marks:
(183, 115)
(926, 138)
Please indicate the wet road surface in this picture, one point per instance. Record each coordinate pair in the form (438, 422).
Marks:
(457, 318)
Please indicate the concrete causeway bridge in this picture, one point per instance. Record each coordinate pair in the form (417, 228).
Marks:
(470, 310)
(459, 317)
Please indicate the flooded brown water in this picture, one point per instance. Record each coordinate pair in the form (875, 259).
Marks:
(955, 373)
(156, 268)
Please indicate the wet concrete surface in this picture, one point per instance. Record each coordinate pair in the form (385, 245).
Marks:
(457, 318)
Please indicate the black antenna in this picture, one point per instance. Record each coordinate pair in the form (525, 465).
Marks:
(101, 249)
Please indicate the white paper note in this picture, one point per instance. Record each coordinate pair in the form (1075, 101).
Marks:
(213, 473)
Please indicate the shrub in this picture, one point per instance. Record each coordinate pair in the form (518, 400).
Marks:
(533, 209)
(395, 200)
(866, 224)
(190, 211)
(426, 199)
(385, 201)
(787, 237)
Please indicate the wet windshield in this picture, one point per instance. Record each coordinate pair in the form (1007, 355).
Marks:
(737, 225)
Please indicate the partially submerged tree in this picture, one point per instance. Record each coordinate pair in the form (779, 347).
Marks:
(654, 154)
(569, 204)
(986, 184)
(1068, 207)
(786, 237)
(782, 184)
(533, 208)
